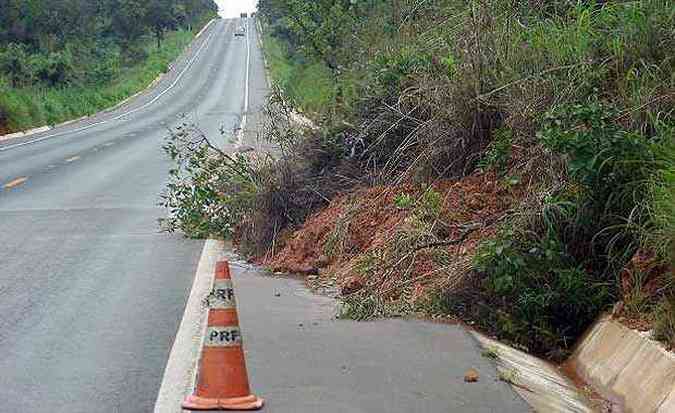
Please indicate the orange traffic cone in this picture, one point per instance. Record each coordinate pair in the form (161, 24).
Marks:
(222, 380)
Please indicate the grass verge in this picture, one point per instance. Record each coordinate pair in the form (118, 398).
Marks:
(28, 107)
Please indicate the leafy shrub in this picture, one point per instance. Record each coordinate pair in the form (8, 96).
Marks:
(15, 64)
(609, 168)
(404, 201)
(53, 68)
(450, 65)
(557, 268)
(602, 155)
(429, 208)
(498, 152)
(23, 67)
(391, 69)
(250, 197)
(545, 301)
(208, 191)
(134, 52)
(106, 67)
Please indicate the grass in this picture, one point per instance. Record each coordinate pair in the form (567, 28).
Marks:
(308, 85)
(664, 321)
(661, 239)
(491, 353)
(29, 107)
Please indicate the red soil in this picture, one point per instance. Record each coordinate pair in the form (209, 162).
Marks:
(371, 219)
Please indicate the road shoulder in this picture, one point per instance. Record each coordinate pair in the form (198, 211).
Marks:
(301, 358)
(179, 375)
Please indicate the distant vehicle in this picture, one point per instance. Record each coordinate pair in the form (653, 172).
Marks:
(240, 32)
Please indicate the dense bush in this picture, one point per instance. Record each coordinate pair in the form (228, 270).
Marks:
(559, 265)
(250, 197)
(541, 298)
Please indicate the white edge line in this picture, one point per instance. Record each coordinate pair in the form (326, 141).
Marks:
(180, 374)
(204, 28)
(180, 75)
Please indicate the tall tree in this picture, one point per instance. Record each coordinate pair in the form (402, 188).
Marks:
(128, 17)
(160, 17)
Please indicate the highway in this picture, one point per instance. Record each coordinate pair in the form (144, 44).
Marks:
(91, 293)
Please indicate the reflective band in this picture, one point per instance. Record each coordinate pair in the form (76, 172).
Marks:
(223, 337)
(222, 296)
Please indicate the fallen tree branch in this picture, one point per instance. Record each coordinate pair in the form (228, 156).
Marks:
(446, 243)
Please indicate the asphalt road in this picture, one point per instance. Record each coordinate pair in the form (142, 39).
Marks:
(91, 294)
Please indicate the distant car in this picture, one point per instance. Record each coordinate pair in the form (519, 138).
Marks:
(240, 32)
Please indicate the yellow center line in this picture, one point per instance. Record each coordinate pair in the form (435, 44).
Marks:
(73, 159)
(15, 183)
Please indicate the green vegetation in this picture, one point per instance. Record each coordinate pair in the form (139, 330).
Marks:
(308, 86)
(63, 59)
(43, 105)
(660, 237)
(570, 104)
(555, 268)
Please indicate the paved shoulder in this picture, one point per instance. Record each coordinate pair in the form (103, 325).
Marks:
(301, 359)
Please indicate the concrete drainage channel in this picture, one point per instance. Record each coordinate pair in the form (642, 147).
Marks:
(541, 384)
(631, 372)
(627, 366)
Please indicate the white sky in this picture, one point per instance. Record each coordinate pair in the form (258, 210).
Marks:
(232, 8)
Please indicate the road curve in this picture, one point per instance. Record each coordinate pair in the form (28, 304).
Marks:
(91, 294)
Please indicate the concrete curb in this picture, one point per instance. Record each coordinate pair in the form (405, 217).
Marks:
(539, 383)
(46, 128)
(180, 374)
(628, 365)
(25, 133)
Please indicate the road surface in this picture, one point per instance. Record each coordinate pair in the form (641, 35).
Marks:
(92, 295)
(301, 358)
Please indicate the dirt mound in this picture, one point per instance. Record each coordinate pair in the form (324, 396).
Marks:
(397, 241)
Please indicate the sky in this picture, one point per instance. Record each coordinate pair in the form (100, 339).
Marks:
(232, 8)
